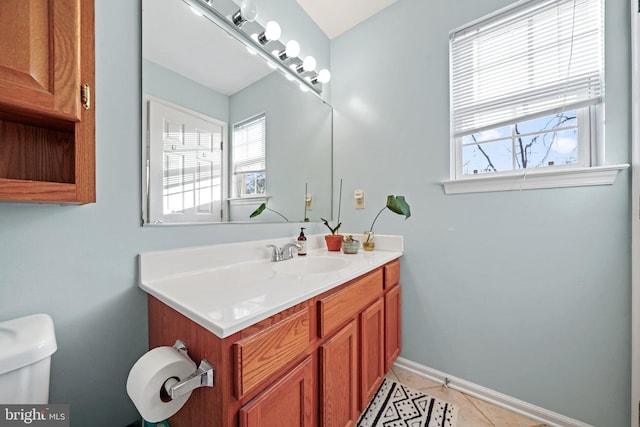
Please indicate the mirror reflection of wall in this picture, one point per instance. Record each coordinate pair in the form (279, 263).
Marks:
(216, 150)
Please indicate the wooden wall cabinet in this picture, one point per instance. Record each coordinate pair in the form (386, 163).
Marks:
(316, 364)
(47, 114)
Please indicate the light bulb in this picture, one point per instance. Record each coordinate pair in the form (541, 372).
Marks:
(248, 13)
(272, 31)
(293, 48)
(309, 63)
(324, 76)
(304, 88)
(249, 10)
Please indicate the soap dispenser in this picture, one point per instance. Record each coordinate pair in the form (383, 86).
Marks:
(302, 241)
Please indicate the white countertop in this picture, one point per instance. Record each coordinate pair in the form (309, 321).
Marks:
(225, 297)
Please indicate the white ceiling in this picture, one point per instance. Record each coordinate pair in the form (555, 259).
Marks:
(335, 17)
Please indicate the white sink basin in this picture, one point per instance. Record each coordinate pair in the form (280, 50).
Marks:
(302, 266)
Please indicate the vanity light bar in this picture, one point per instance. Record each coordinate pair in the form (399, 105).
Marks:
(255, 45)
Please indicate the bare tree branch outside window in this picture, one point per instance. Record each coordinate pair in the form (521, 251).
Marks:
(534, 143)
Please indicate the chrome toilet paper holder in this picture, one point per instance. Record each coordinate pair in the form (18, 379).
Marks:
(202, 377)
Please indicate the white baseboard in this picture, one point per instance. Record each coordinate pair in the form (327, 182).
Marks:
(550, 418)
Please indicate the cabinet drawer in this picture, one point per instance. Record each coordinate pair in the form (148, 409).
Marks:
(260, 355)
(345, 304)
(391, 274)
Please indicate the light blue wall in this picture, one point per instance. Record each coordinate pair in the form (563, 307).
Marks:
(477, 303)
(78, 263)
(526, 293)
(175, 88)
(298, 140)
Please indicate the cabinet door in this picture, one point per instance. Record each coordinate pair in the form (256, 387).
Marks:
(39, 65)
(372, 358)
(392, 326)
(338, 378)
(286, 403)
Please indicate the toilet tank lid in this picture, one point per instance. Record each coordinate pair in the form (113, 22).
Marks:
(26, 340)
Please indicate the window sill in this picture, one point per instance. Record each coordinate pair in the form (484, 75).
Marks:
(248, 200)
(550, 178)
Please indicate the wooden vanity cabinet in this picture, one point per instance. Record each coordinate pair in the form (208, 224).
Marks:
(372, 360)
(392, 313)
(262, 353)
(289, 401)
(316, 364)
(339, 378)
(47, 116)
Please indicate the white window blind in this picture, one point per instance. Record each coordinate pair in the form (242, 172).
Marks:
(532, 59)
(248, 157)
(248, 154)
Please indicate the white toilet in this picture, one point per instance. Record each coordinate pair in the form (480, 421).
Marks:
(26, 346)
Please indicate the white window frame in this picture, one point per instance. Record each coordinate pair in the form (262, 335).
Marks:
(589, 170)
(236, 194)
(586, 138)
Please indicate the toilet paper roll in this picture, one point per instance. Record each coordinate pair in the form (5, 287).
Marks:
(147, 377)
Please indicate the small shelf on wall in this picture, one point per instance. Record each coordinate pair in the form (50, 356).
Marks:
(47, 116)
(39, 163)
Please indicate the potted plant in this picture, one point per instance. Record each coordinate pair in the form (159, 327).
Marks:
(350, 245)
(396, 204)
(333, 240)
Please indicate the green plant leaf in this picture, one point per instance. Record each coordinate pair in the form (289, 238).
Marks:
(258, 211)
(399, 205)
(333, 230)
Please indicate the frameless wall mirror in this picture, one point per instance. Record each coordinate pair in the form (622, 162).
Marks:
(224, 131)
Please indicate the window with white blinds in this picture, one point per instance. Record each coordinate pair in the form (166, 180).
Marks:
(535, 58)
(248, 157)
(527, 90)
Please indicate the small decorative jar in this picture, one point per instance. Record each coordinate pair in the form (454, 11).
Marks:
(367, 241)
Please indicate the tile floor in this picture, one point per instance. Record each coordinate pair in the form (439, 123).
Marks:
(472, 412)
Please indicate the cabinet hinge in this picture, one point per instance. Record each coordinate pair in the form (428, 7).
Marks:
(85, 96)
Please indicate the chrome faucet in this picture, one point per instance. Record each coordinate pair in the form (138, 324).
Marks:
(289, 249)
(284, 253)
